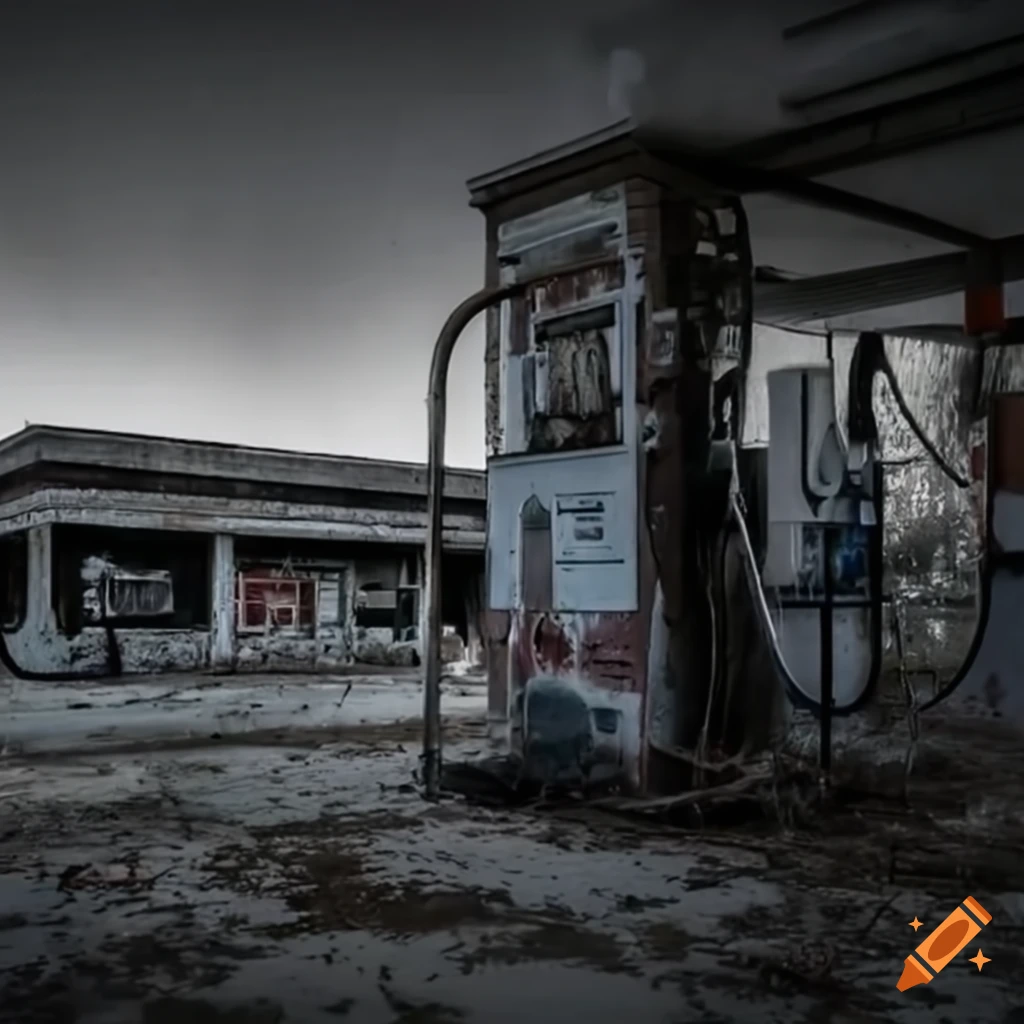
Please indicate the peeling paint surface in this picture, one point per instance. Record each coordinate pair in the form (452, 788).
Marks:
(578, 692)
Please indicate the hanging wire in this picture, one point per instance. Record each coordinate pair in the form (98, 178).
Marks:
(883, 366)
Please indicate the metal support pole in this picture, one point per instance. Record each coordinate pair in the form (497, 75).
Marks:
(436, 422)
(825, 737)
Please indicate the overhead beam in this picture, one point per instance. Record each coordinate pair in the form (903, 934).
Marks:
(842, 17)
(745, 178)
(879, 287)
(830, 95)
(893, 129)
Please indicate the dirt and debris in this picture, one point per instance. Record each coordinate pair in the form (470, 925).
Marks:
(259, 882)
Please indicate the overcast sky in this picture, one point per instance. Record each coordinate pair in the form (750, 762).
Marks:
(246, 220)
(249, 225)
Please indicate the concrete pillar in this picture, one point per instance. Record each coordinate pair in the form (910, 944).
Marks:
(421, 602)
(222, 604)
(38, 645)
(39, 613)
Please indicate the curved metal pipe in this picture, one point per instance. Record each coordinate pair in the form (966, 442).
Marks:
(757, 592)
(437, 410)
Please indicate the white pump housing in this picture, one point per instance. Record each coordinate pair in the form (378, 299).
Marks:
(812, 484)
(806, 464)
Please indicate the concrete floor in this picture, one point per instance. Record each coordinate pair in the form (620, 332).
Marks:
(259, 878)
(40, 718)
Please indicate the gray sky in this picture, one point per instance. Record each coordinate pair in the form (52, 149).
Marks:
(246, 220)
(249, 226)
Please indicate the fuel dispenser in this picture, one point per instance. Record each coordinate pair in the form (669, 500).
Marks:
(823, 554)
(629, 576)
(617, 342)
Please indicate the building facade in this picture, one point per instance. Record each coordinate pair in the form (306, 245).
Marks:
(146, 554)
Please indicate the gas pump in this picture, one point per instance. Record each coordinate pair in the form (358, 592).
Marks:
(563, 526)
(615, 368)
(823, 552)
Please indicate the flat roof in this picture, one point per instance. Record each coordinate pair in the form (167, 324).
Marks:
(42, 443)
(645, 150)
(618, 132)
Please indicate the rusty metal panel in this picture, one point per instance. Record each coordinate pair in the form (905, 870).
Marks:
(578, 288)
(582, 671)
(613, 651)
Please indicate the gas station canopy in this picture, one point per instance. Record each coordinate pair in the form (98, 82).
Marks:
(862, 135)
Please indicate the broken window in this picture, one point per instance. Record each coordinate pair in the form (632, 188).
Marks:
(572, 392)
(138, 595)
(266, 604)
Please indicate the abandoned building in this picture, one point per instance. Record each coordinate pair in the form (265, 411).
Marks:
(156, 554)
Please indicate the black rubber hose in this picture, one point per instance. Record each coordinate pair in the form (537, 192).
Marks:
(869, 358)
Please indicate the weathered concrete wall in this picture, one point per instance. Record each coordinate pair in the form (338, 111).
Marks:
(329, 643)
(40, 645)
(377, 646)
(393, 539)
(100, 451)
(290, 653)
(238, 516)
(142, 651)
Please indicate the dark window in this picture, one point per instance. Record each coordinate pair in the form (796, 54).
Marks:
(14, 559)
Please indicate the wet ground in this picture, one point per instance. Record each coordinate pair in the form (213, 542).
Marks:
(257, 879)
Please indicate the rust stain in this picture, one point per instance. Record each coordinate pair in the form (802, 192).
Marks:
(553, 648)
(613, 652)
(611, 646)
(567, 290)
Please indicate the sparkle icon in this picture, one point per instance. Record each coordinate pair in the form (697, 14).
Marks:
(980, 960)
(944, 944)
